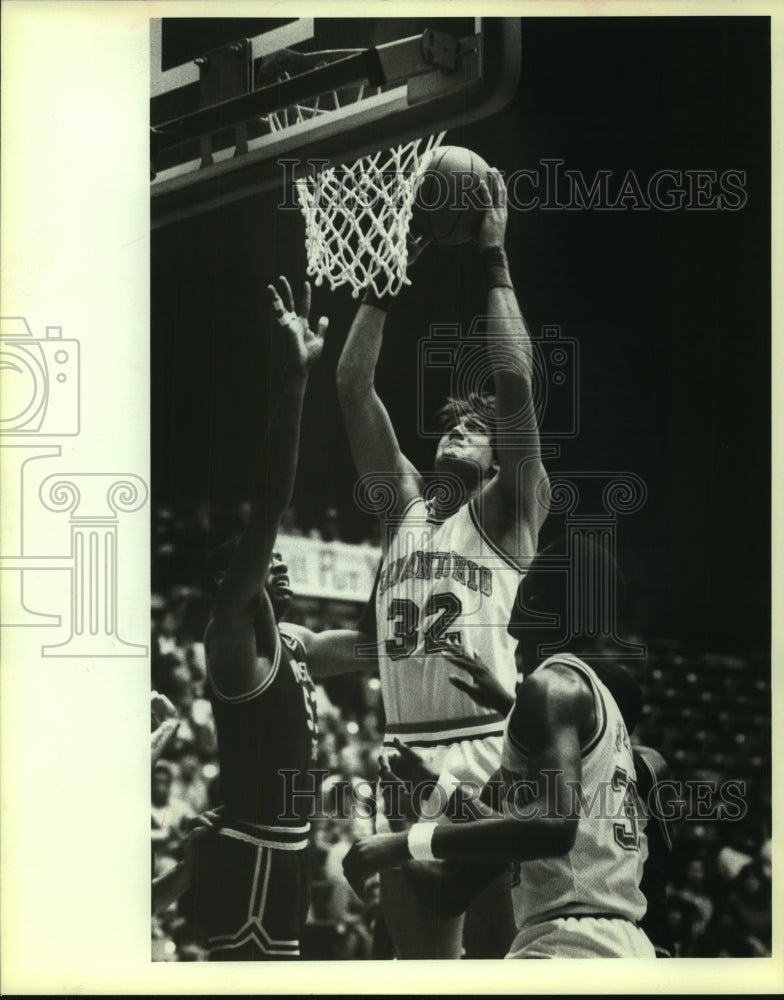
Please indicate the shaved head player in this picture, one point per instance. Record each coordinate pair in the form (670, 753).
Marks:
(450, 574)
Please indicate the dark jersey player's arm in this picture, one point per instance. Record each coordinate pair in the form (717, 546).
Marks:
(238, 664)
(554, 710)
(335, 651)
(374, 444)
(516, 498)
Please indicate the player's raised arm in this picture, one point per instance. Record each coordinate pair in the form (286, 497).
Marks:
(515, 496)
(239, 658)
(553, 711)
(374, 444)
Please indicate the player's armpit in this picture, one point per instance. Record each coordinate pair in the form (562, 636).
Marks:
(512, 515)
(552, 708)
(530, 492)
(447, 888)
(242, 653)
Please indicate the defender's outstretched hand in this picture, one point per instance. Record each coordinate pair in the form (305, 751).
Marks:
(492, 228)
(483, 687)
(305, 346)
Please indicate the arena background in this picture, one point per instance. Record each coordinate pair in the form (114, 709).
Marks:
(672, 314)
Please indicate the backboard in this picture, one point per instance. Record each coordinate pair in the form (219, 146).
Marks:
(240, 105)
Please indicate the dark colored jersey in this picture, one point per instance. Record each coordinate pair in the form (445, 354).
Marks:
(651, 769)
(266, 746)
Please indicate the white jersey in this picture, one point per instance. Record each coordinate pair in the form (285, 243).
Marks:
(440, 582)
(602, 872)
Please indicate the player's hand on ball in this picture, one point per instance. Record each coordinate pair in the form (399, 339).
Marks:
(374, 854)
(492, 195)
(479, 683)
(305, 346)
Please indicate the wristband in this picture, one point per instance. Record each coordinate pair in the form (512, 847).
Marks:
(420, 838)
(382, 302)
(496, 268)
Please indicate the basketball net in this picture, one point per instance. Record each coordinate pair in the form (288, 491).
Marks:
(357, 217)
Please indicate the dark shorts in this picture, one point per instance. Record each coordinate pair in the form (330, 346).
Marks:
(250, 900)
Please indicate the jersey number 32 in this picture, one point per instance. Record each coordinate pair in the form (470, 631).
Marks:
(442, 608)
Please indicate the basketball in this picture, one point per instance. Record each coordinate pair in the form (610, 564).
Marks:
(447, 201)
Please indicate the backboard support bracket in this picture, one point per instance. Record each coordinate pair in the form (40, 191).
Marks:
(410, 91)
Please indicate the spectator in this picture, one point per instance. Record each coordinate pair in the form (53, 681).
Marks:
(197, 727)
(693, 891)
(682, 918)
(164, 724)
(169, 818)
(191, 786)
(749, 902)
(727, 938)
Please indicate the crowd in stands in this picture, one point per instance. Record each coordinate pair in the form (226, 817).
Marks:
(708, 714)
